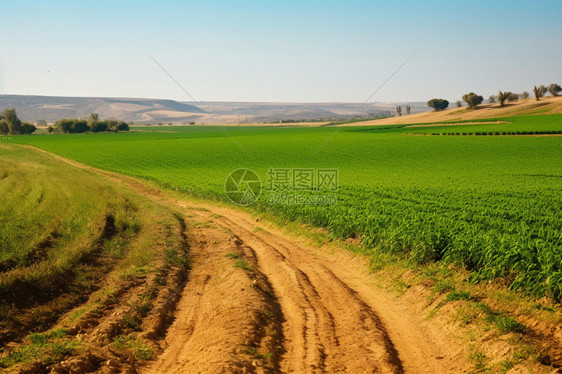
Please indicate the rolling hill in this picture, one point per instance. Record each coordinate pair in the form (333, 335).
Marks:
(144, 111)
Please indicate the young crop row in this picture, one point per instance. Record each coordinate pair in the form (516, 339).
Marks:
(500, 133)
(515, 237)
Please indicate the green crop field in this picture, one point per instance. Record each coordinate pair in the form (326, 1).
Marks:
(491, 204)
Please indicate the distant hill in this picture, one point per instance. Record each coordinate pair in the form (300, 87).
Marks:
(142, 111)
(52, 108)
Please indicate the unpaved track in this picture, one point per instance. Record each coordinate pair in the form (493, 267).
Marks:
(333, 318)
(258, 300)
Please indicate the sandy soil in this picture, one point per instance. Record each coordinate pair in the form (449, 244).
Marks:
(300, 308)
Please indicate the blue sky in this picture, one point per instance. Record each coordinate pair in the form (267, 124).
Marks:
(295, 51)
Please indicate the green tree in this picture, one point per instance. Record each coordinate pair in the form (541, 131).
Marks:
(99, 126)
(459, 103)
(27, 128)
(41, 123)
(50, 129)
(64, 125)
(503, 96)
(492, 99)
(94, 117)
(4, 130)
(472, 99)
(539, 91)
(513, 97)
(12, 121)
(554, 89)
(438, 104)
(79, 126)
(524, 95)
(399, 110)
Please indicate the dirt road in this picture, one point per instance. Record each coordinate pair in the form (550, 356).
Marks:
(260, 301)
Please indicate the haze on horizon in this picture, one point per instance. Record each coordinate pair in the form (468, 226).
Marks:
(294, 51)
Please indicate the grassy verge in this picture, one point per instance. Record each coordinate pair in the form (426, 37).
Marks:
(83, 250)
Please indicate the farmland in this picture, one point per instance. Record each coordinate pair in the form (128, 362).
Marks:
(490, 204)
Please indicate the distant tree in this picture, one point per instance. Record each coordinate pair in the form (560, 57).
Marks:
(513, 97)
(64, 125)
(503, 96)
(492, 99)
(92, 119)
(41, 123)
(79, 126)
(50, 129)
(438, 104)
(27, 128)
(11, 119)
(99, 126)
(408, 109)
(4, 129)
(459, 103)
(472, 99)
(554, 89)
(524, 95)
(399, 110)
(539, 91)
(122, 126)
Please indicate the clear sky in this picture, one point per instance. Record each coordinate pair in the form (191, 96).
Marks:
(297, 51)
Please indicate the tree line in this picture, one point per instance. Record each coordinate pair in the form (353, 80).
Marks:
(473, 100)
(92, 124)
(10, 124)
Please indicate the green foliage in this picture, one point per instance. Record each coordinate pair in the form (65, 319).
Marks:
(524, 95)
(49, 347)
(76, 126)
(506, 323)
(438, 104)
(79, 126)
(99, 126)
(64, 125)
(472, 99)
(455, 295)
(11, 124)
(554, 89)
(27, 128)
(492, 98)
(132, 322)
(4, 129)
(459, 103)
(242, 264)
(539, 91)
(513, 97)
(503, 96)
(133, 344)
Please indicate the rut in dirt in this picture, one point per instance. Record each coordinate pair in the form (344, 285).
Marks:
(252, 306)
